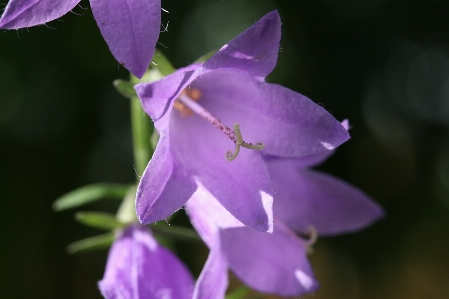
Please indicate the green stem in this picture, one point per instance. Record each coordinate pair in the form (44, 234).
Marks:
(142, 129)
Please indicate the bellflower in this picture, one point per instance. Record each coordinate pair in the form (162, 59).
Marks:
(194, 110)
(130, 28)
(138, 267)
(305, 201)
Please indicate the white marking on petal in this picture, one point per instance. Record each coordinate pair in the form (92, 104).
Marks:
(267, 202)
(327, 145)
(305, 280)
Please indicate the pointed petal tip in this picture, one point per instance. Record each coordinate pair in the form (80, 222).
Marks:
(309, 283)
(22, 14)
(139, 72)
(377, 214)
(273, 15)
(130, 29)
(254, 51)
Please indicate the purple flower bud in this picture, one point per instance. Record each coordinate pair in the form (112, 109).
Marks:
(138, 267)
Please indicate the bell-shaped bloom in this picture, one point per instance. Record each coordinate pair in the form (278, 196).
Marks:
(273, 263)
(130, 28)
(216, 122)
(139, 268)
(305, 200)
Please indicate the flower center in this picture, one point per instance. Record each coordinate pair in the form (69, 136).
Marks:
(187, 104)
(192, 93)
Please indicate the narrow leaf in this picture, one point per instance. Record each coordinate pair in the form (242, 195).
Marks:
(99, 220)
(91, 244)
(89, 193)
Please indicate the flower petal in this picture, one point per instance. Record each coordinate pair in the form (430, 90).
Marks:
(315, 159)
(213, 280)
(138, 267)
(254, 51)
(131, 29)
(306, 197)
(208, 215)
(27, 13)
(157, 97)
(165, 186)
(288, 123)
(242, 186)
(271, 263)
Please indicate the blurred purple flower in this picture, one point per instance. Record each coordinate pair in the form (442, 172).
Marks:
(130, 28)
(277, 263)
(229, 88)
(138, 267)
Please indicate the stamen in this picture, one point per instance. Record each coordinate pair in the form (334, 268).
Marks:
(188, 101)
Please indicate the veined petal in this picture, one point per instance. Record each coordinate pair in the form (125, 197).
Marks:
(208, 216)
(27, 13)
(131, 29)
(164, 187)
(138, 267)
(213, 280)
(254, 51)
(288, 123)
(242, 186)
(306, 197)
(157, 97)
(315, 159)
(271, 263)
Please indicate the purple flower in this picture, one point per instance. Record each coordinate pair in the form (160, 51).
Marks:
(228, 90)
(138, 267)
(271, 263)
(305, 201)
(130, 28)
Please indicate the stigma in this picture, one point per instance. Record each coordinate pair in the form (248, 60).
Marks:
(187, 104)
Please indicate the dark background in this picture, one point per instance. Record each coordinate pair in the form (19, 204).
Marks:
(382, 64)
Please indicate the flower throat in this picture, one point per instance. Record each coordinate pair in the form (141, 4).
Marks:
(187, 104)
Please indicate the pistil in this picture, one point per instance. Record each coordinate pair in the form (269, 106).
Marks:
(235, 136)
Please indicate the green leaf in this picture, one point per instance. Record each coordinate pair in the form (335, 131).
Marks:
(162, 64)
(99, 220)
(89, 193)
(91, 244)
(205, 56)
(239, 293)
(125, 88)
